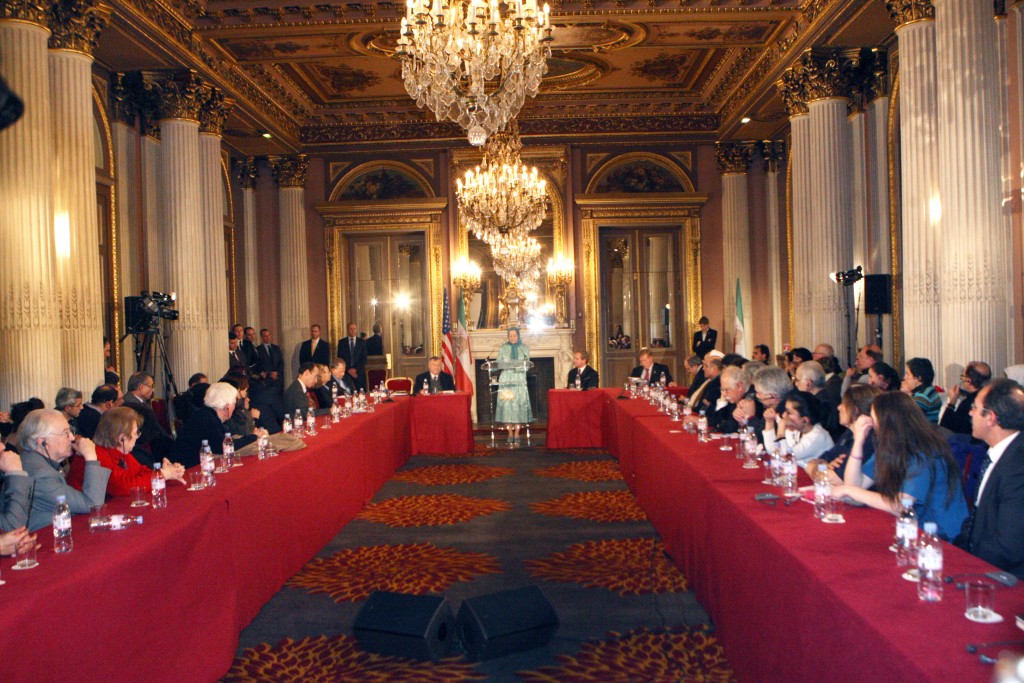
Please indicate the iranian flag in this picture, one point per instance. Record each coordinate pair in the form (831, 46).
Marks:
(460, 348)
(739, 337)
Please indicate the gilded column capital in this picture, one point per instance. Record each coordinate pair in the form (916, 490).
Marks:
(181, 95)
(213, 110)
(122, 106)
(141, 98)
(76, 24)
(289, 171)
(792, 87)
(827, 72)
(248, 173)
(908, 11)
(32, 11)
(733, 157)
(773, 152)
(877, 68)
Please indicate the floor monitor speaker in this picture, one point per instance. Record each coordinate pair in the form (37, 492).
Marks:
(498, 624)
(415, 626)
(877, 294)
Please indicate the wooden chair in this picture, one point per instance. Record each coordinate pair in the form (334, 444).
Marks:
(399, 384)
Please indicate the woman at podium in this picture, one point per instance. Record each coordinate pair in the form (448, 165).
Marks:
(513, 404)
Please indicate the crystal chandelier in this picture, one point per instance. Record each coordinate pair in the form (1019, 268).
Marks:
(471, 63)
(518, 260)
(501, 198)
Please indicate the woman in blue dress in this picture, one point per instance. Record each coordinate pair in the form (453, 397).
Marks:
(513, 404)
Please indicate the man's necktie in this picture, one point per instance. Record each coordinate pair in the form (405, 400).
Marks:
(647, 375)
(985, 464)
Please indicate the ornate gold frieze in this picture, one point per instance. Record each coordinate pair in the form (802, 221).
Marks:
(32, 11)
(213, 110)
(181, 94)
(121, 104)
(247, 173)
(76, 24)
(908, 11)
(733, 157)
(793, 88)
(289, 171)
(827, 72)
(772, 151)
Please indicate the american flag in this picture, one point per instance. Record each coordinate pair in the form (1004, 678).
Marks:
(446, 341)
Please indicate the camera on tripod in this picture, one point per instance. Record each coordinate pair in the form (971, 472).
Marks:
(143, 313)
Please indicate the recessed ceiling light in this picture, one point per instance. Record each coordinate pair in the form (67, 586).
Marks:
(267, 135)
(745, 119)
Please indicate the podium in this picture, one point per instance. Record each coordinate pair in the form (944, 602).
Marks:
(494, 369)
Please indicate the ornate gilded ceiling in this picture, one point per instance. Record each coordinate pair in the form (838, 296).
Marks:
(316, 74)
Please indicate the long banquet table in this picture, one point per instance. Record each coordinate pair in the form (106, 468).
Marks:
(166, 601)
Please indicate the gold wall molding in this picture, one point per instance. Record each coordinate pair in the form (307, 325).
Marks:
(290, 171)
(658, 159)
(791, 319)
(895, 242)
(734, 157)
(76, 25)
(679, 210)
(378, 165)
(112, 235)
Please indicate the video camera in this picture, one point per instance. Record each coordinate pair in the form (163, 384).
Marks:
(143, 313)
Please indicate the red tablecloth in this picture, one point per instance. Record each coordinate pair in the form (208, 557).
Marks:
(441, 424)
(575, 418)
(793, 598)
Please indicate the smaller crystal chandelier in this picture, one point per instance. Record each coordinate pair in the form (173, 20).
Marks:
(501, 197)
(517, 260)
(470, 62)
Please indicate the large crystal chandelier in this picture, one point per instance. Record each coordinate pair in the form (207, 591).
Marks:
(501, 198)
(518, 259)
(472, 63)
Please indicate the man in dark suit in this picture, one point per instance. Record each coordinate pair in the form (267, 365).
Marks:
(238, 364)
(353, 350)
(735, 386)
(340, 380)
(957, 416)
(650, 371)
(315, 349)
(581, 368)
(104, 397)
(708, 393)
(375, 344)
(994, 531)
(248, 348)
(270, 365)
(705, 339)
(154, 443)
(295, 399)
(434, 380)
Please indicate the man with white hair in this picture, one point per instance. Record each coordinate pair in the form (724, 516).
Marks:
(45, 441)
(770, 385)
(735, 387)
(207, 424)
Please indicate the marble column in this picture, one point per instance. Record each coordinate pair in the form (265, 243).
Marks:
(773, 152)
(30, 352)
(290, 176)
(921, 236)
(859, 207)
(975, 255)
(802, 236)
(734, 163)
(213, 113)
(878, 259)
(127, 186)
(75, 26)
(248, 174)
(183, 247)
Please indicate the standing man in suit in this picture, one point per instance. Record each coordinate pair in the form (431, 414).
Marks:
(238, 364)
(705, 339)
(375, 344)
(581, 368)
(248, 347)
(651, 372)
(434, 380)
(271, 361)
(994, 531)
(353, 350)
(315, 349)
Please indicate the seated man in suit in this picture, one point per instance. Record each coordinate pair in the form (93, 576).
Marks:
(994, 531)
(104, 397)
(651, 372)
(190, 400)
(586, 375)
(707, 394)
(704, 339)
(434, 380)
(736, 386)
(340, 381)
(69, 402)
(315, 349)
(957, 416)
(154, 443)
(208, 424)
(295, 395)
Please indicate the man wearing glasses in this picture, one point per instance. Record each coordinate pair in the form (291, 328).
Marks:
(154, 443)
(46, 441)
(957, 415)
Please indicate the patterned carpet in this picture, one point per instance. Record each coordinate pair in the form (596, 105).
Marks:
(562, 521)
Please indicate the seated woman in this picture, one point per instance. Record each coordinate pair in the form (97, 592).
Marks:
(911, 457)
(856, 402)
(115, 438)
(799, 425)
(883, 376)
(917, 381)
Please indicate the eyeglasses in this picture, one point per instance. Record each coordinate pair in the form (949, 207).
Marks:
(66, 432)
(981, 410)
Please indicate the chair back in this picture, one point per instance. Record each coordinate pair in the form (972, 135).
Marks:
(399, 384)
(969, 457)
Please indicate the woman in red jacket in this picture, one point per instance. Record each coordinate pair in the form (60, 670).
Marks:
(115, 437)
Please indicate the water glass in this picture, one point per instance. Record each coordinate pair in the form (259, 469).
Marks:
(140, 496)
(196, 481)
(25, 556)
(833, 511)
(95, 512)
(980, 600)
(222, 464)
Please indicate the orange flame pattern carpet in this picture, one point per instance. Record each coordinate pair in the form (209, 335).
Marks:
(598, 506)
(431, 510)
(446, 475)
(583, 470)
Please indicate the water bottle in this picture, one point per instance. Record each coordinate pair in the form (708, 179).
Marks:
(158, 487)
(702, 427)
(579, 381)
(286, 423)
(822, 491)
(206, 464)
(311, 422)
(906, 533)
(426, 386)
(114, 522)
(929, 564)
(228, 449)
(297, 423)
(334, 392)
(62, 542)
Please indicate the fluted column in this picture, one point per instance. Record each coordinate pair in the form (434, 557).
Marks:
(75, 26)
(30, 352)
(919, 178)
(212, 115)
(793, 88)
(290, 176)
(975, 262)
(734, 163)
(879, 255)
(859, 207)
(181, 198)
(248, 174)
(127, 185)
(773, 152)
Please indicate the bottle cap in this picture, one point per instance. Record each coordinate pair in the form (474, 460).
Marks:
(822, 467)
(62, 499)
(205, 442)
(156, 467)
(906, 499)
(931, 527)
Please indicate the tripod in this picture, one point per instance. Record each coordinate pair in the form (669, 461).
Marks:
(143, 347)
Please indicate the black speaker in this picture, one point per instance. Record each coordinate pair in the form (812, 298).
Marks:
(501, 623)
(415, 626)
(877, 294)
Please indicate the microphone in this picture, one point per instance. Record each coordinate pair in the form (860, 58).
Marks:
(974, 647)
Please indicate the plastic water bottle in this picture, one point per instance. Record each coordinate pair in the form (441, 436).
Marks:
(206, 464)
(62, 542)
(114, 522)
(311, 422)
(822, 491)
(158, 487)
(297, 423)
(426, 386)
(579, 381)
(228, 447)
(702, 427)
(286, 423)
(334, 392)
(929, 564)
(906, 533)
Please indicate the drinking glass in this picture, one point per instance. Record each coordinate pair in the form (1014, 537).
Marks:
(25, 556)
(980, 599)
(222, 464)
(96, 512)
(197, 481)
(140, 496)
